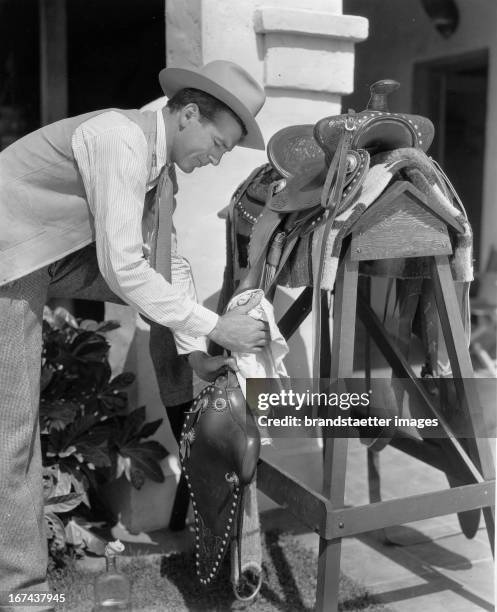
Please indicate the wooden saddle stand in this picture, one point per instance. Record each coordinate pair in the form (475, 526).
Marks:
(354, 197)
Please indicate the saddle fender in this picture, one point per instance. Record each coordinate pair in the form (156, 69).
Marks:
(219, 450)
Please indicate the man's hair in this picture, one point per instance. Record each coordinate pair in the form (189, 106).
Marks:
(208, 105)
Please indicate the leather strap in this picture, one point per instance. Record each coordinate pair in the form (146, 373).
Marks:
(340, 199)
(331, 196)
(290, 241)
(262, 231)
(268, 222)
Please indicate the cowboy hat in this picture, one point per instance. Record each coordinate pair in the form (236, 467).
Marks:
(229, 83)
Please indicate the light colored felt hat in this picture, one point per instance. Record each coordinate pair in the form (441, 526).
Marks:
(227, 82)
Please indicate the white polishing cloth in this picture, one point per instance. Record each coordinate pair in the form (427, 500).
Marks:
(268, 363)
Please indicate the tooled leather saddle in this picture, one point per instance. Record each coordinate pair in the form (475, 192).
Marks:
(219, 450)
(314, 173)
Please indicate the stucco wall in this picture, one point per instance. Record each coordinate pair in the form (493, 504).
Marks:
(401, 35)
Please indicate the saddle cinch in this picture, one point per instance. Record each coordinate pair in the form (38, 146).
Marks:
(278, 224)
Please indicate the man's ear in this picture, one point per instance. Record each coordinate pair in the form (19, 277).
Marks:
(188, 113)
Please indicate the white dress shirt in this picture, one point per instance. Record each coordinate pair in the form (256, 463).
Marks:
(111, 152)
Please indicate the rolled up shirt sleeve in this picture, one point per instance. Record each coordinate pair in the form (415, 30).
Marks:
(111, 154)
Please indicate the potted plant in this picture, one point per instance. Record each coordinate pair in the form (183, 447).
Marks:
(88, 434)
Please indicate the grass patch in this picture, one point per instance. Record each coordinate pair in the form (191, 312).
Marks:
(168, 583)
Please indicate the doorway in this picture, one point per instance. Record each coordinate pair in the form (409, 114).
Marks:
(453, 93)
(115, 50)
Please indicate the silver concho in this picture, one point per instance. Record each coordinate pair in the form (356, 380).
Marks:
(220, 403)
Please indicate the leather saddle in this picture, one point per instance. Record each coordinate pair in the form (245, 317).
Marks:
(304, 152)
(219, 450)
(309, 166)
(374, 130)
(296, 189)
(314, 173)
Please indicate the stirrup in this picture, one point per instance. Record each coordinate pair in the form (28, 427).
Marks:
(247, 584)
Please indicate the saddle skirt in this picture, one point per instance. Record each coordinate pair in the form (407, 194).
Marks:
(219, 450)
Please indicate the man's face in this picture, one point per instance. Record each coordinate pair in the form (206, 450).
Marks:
(200, 143)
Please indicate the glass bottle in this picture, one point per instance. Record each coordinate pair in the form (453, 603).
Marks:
(112, 589)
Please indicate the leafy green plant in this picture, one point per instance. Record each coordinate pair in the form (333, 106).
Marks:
(88, 434)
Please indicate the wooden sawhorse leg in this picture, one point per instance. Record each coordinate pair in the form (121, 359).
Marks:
(324, 512)
(458, 351)
(335, 449)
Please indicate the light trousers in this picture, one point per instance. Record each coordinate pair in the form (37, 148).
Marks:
(23, 544)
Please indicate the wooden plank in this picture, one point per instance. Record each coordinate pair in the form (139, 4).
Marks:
(344, 316)
(342, 363)
(335, 449)
(328, 579)
(53, 60)
(455, 340)
(403, 370)
(361, 519)
(430, 204)
(307, 505)
(457, 348)
(400, 224)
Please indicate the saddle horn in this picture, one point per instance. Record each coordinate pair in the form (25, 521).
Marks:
(379, 92)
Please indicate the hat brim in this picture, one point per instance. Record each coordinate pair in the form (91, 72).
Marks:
(173, 80)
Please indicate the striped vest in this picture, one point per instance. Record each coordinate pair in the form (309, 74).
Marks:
(43, 206)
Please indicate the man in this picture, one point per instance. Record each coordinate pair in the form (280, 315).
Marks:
(86, 208)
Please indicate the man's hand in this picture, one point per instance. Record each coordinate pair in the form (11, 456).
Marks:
(209, 368)
(239, 332)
